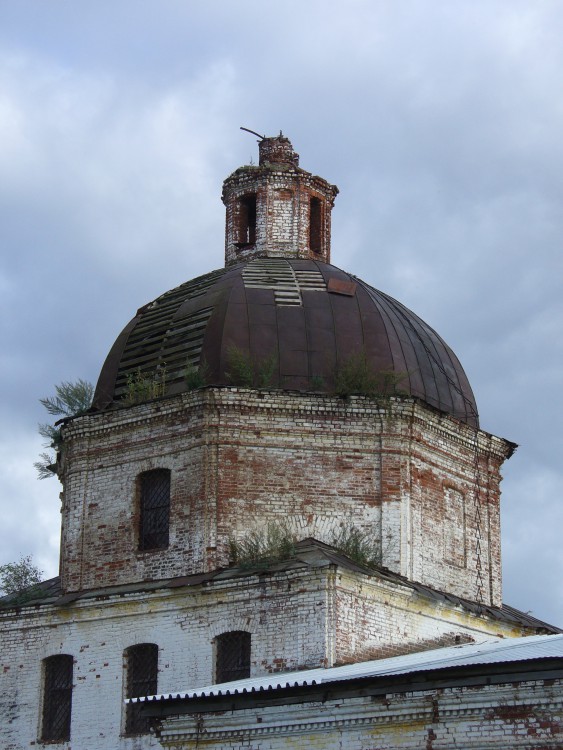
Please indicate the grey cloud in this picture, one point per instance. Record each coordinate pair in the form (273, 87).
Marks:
(440, 123)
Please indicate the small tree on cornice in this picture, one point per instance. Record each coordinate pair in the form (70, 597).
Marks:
(70, 400)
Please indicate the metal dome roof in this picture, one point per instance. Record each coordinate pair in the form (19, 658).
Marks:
(305, 317)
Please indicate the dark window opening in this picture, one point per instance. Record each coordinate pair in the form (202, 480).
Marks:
(246, 221)
(315, 225)
(154, 489)
(141, 664)
(57, 697)
(232, 656)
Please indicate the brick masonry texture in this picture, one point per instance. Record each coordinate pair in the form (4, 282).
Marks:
(424, 485)
(283, 194)
(516, 715)
(302, 618)
(238, 459)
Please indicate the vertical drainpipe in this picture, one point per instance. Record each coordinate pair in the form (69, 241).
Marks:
(489, 546)
(83, 519)
(211, 481)
(407, 566)
(296, 228)
(330, 603)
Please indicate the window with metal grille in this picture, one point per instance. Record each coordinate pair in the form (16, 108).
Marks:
(141, 677)
(154, 490)
(57, 697)
(232, 656)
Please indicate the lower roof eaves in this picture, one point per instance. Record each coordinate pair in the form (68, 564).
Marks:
(545, 651)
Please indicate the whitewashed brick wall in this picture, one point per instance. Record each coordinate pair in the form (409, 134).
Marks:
(519, 715)
(239, 459)
(282, 212)
(306, 617)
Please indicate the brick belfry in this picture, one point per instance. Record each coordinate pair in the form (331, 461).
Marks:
(277, 210)
(277, 394)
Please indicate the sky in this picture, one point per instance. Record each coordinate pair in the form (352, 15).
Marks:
(439, 120)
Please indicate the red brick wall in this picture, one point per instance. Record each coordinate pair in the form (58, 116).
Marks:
(282, 212)
(241, 458)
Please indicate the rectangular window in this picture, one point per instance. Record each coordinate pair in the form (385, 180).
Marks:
(315, 226)
(154, 490)
(232, 656)
(141, 665)
(246, 220)
(57, 697)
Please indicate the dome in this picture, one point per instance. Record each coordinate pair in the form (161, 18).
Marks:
(279, 314)
(296, 323)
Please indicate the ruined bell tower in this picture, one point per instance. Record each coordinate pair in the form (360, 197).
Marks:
(277, 209)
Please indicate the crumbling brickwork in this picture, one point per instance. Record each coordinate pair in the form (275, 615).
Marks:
(514, 715)
(277, 209)
(312, 615)
(156, 496)
(239, 459)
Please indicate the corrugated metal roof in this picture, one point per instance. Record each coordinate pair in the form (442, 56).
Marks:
(493, 651)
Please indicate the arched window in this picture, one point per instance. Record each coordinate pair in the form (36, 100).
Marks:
(154, 493)
(141, 679)
(232, 656)
(57, 697)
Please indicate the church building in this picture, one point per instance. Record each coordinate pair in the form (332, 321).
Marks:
(282, 484)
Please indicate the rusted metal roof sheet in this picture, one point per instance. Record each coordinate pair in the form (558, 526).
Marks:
(309, 553)
(308, 317)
